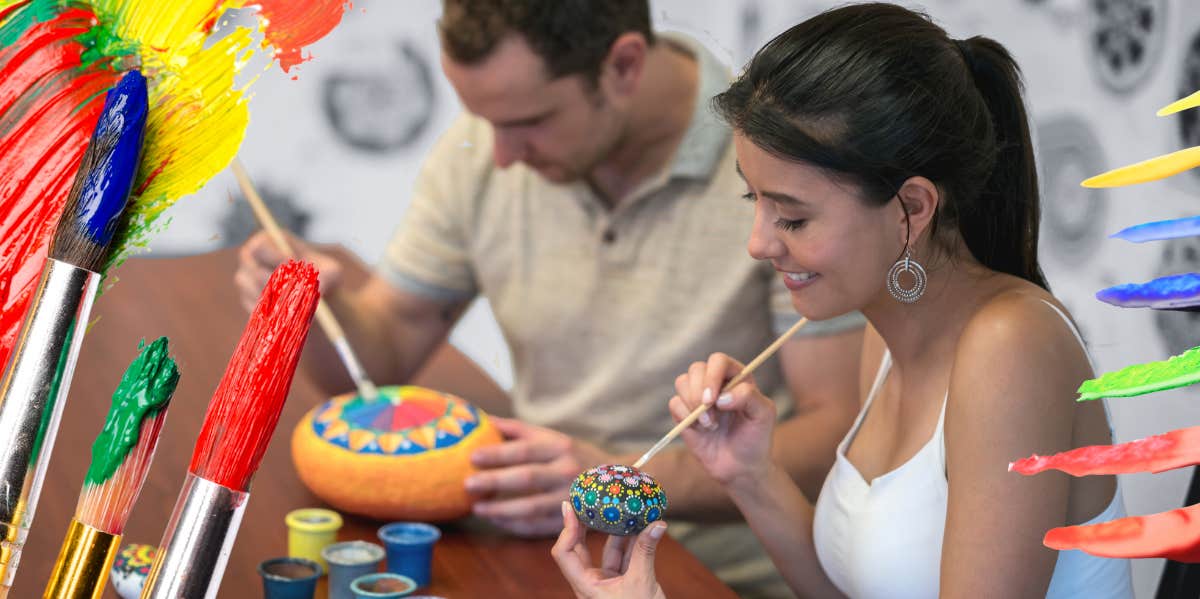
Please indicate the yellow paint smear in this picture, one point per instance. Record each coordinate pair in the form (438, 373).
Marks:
(1159, 167)
(1180, 105)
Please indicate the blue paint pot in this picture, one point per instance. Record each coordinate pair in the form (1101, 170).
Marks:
(289, 578)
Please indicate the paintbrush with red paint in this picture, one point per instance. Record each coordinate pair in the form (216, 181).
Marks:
(121, 459)
(237, 428)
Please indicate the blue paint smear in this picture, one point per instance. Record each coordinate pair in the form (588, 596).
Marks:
(106, 188)
(1159, 230)
(1173, 291)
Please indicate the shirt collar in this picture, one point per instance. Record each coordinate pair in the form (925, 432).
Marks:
(707, 135)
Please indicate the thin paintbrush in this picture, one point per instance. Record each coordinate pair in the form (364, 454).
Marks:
(237, 428)
(325, 318)
(702, 408)
(38, 373)
(121, 458)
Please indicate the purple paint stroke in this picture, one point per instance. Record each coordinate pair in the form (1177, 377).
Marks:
(1159, 230)
(1165, 293)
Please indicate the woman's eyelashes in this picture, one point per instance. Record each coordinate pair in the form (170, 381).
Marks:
(790, 224)
(784, 224)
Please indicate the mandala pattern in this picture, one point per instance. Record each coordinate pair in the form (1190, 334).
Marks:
(404, 420)
(618, 500)
(130, 569)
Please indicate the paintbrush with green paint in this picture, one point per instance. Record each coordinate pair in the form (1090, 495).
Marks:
(121, 459)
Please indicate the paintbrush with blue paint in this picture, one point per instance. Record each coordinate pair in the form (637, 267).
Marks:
(36, 379)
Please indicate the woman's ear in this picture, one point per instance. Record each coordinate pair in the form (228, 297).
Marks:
(919, 197)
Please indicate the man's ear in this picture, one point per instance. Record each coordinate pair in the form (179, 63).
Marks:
(626, 62)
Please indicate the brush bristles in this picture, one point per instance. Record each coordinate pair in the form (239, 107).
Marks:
(245, 407)
(106, 506)
(71, 243)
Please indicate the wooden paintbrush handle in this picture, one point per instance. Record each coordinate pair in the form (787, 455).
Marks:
(702, 408)
(325, 318)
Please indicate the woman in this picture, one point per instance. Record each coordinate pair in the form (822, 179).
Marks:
(891, 172)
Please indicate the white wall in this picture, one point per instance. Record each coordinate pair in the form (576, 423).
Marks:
(1089, 118)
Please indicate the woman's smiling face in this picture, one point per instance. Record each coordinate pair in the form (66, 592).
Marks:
(831, 247)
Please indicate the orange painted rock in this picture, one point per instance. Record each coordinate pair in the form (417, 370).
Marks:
(402, 457)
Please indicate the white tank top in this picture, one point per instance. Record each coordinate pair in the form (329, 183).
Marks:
(884, 538)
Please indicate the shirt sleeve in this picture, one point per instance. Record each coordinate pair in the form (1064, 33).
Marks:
(430, 253)
(785, 315)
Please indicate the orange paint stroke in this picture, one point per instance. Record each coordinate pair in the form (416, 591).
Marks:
(291, 25)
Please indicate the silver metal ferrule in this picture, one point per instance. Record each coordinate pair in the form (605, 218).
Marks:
(32, 394)
(197, 542)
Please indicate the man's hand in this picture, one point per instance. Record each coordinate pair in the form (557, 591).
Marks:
(258, 257)
(626, 569)
(528, 476)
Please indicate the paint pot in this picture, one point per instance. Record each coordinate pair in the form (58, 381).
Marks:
(349, 560)
(289, 578)
(410, 549)
(130, 569)
(382, 586)
(309, 531)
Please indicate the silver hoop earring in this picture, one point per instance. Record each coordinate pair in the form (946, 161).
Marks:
(908, 266)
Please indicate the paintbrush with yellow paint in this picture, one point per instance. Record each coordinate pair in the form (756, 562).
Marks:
(329, 323)
(121, 459)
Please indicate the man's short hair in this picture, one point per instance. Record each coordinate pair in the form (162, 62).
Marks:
(571, 36)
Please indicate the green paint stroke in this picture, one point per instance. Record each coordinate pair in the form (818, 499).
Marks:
(144, 391)
(1139, 379)
(20, 20)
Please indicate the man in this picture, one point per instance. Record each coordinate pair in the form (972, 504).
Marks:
(592, 198)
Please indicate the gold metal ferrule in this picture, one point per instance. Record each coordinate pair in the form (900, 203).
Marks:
(81, 570)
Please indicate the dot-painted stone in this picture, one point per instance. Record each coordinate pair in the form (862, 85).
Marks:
(618, 500)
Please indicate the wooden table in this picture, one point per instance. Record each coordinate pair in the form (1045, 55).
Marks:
(192, 301)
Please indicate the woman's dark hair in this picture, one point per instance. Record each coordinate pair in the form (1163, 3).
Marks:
(877, 93)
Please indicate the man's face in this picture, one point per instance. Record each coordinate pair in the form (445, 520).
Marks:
(561, 128)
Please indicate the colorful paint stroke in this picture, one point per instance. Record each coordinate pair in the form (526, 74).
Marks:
(1158, 453)
(1165, 293)
(1160, 230)
(618, 500)
(1180, 105)
(57, 59)
(1140, 379)
(1174, 535)
(404, 420)
(1159, 167)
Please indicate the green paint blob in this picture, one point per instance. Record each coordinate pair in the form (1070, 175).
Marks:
(20, 20)
(1139, 379)
(145, 390)
(103, 44)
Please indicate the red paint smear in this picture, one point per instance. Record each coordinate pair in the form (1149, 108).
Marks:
(49, 105)
(245, 407)
(293, 25)
(1173, 535)
(1175, 449)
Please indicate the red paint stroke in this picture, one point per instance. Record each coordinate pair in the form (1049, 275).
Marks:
(49, 103)
(1173, 535)
(293, 25)
(245, 407)
(1159, 453)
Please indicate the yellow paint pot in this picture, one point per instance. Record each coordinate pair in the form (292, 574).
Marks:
(309, 531)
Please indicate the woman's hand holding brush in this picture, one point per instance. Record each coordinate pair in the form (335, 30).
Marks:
(732, 440)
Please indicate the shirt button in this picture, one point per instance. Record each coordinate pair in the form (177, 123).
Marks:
(609, 236)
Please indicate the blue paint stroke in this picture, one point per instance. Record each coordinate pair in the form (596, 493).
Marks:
(106, 187)
(1175, 291)
(1159, 230)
